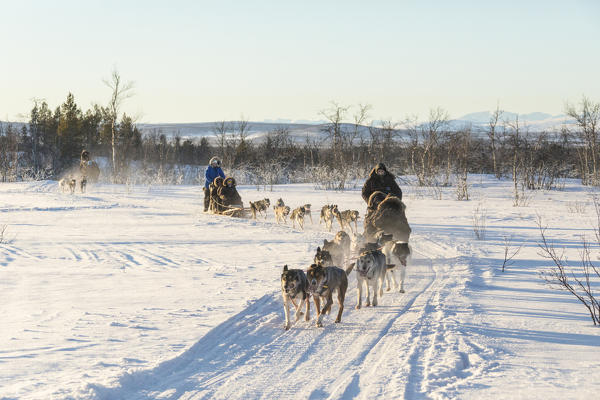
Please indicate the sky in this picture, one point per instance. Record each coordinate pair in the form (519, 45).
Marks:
(199, 61)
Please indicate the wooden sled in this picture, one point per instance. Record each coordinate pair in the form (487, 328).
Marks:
(238, 212)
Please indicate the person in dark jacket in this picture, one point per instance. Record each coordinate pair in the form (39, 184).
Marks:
(380, 180)
(212, 171)
(229, 195)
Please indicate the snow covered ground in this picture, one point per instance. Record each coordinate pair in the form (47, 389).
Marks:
(133, 293)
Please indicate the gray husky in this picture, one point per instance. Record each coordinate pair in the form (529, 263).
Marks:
(298, 216)
(260, 207)
(294, 285)
(398, 255)
(370, 269)
(323, 281)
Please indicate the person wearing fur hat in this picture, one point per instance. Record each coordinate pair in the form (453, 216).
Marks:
(212, 171)
(380, 180)
(229, 195)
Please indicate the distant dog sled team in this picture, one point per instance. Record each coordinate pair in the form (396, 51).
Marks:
(88, 171)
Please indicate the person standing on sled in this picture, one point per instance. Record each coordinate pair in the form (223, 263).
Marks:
(380, 180)
(212, 171)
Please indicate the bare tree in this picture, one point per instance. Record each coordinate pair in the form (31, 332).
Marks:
(479, 221)
(360, 118)
(493, 123)
(335, 132)
(563, 277)
(587, 117)
(120, 91)
(221, 131)
(509, 253)
(431, 134)
(515, 142)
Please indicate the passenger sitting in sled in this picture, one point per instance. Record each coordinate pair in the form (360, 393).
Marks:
(229, 195)
(214, 191)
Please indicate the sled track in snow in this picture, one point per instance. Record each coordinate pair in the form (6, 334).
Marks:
(251, 356)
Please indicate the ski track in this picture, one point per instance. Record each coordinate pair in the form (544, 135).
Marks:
(251, 356)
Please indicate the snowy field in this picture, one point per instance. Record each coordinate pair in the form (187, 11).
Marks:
(133, 293)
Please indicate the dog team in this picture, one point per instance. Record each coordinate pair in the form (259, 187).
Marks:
(375, 263)
(69, 184)
(380, 254)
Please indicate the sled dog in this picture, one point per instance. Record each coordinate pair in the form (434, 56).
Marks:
(83, 184)
(346, 218)
(339, 247)
(298, 216)
(398, 255)
(327, 215)
(307, 212)
(357, 242)
(323, 281)
(279, 202)
(281, 212)
(260, 206)
(370, 269)
(67, 184)
(294, 285)
(323, 258)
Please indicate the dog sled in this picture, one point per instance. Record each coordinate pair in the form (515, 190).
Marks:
(231, 210)
(237, 212)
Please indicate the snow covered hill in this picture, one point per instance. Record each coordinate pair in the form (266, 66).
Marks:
(133, 293)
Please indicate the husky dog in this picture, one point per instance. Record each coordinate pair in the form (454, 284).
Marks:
(83, 184)
(323, 258)
(357, 242)
(398, 255)
(370, 269)
(279, 203)
(260, 206)
(339, 247)
(307, 212)
(294, 285)
(327, 215)
(346, 217)
(281, 212)
(323, 281)
(68, 184)
(298, 216)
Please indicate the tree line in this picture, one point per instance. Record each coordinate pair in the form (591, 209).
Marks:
(49, 144)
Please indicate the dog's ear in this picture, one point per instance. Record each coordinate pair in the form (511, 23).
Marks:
(352, 265)
(325, 241)
(285, 268)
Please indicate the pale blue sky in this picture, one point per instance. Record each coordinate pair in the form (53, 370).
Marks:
(195, 61)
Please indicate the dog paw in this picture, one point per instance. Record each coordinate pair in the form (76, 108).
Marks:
(286, 326)
(401, 290)
(337, 321)
(387, 289)
(357, 307)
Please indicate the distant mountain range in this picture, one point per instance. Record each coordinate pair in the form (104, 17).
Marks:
(314, 130)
